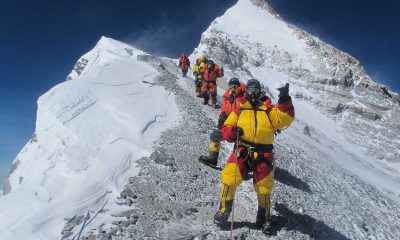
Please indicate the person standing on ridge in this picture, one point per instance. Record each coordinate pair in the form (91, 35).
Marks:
(252, 128)
(231, 99)
(198, 78)
(211, 72)
(184, 64)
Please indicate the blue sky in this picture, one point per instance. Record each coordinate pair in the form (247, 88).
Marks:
(40, 41)
(367, 29)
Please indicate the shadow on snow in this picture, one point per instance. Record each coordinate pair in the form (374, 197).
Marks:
(285, 177)
(303, 223)
(292, 221)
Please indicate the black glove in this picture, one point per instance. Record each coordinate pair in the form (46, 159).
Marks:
(221, 119)
(238, 131)
(284, 91)
(232, 98)
(284, 94)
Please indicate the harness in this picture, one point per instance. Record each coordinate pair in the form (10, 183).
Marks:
(249, 148)
(247, 152)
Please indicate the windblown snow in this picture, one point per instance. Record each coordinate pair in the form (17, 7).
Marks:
(90, 130)
(114, 152)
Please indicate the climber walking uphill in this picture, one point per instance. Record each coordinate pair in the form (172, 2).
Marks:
(184, 64)
(231, 99)
(198, 78)
(252, 128)
(211, 72)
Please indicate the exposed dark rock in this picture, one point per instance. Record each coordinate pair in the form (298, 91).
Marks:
(264, 5)
(127, 192)
(129, 51)
(20, 180)
(66, 234)
(147, 58)
(386, 92)
(366, 113)
(72, 223)
(307, 130)
(6, 185)
(126, 214)
(80, 65)
(34, 138)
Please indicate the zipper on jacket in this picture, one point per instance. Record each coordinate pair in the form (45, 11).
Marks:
(255, 124)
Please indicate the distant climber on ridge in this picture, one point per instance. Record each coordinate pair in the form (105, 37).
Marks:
(198, 77)
(211, 72)
(184, 64)
(252, 128)
(231, 99)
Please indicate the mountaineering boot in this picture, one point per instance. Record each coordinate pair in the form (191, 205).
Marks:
(222, 215)
(206, 97)
(263, 219)
(221, 218)
(211, 160)
(205, 100)
(266, 228)
(213, 101)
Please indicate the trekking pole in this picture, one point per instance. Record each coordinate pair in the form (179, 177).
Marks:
(234, 185)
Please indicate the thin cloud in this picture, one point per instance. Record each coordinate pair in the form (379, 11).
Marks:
(160, 39)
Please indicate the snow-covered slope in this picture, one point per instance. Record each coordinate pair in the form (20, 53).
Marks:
(335, 98)
(110, 160)
(90, 130)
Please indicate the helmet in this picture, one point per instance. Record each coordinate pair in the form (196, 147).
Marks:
(234, 82)
(210, 62)
(202, 59)
(253, 91)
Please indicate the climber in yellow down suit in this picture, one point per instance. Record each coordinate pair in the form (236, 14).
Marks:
(252, 127)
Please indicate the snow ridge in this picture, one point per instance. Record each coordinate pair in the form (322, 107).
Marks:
(115, 147)
(89, 130)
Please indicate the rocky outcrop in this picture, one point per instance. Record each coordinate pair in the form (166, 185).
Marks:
(6, 185)
(264, 5)
(307, 130)
(70, 225)
(79, 67)
(364, 112)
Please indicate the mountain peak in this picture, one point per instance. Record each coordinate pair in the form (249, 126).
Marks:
(264, 5)
(251, 43)
(105, 49)
(114, 148)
